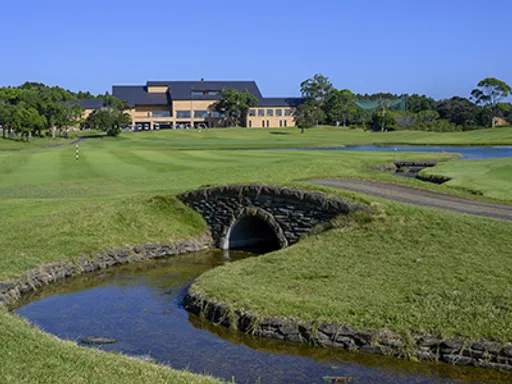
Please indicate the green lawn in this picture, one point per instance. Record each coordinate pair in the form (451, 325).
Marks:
(492, 177)
(235, 138)
(291, 137)
(54, 208)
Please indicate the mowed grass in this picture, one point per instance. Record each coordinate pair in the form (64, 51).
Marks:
(121, 192)
(402, 268)
(237, 138)
(492, 177)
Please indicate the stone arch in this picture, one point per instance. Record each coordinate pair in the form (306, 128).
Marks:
(254, 228)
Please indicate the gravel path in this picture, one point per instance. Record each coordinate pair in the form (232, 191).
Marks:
(420, 197)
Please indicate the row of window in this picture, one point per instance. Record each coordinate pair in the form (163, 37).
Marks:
(266, 123)
(213, 114)
(188, 114)
(270, 112)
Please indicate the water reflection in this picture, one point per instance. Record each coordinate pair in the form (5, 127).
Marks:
(139, 305)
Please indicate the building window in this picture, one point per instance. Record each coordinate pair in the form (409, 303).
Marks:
(263, 123)
(270, 112)
(252, 112)
(183, 114)
(217, 115)
(201, 114)
(250, 123)
(261, 112)
(268, 123)
(161, 114)
(279, 112)
(280, 123)
(287, 112)
(285, 123)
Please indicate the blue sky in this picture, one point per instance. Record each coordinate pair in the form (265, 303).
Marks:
(440, 48)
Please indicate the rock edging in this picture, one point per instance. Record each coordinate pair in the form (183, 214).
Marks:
(417, 345)
(11, 291)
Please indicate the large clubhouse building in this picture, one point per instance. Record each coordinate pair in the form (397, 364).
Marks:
(189, 104)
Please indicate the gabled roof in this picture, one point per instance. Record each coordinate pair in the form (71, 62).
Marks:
(280, 101)
(138, 94)
(182, 90)
(87, 103)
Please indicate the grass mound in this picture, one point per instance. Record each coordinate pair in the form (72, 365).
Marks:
(405, 269)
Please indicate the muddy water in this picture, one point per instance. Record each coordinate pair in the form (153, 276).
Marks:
(139, 306)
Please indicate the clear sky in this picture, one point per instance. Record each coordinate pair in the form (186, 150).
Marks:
(437, 47)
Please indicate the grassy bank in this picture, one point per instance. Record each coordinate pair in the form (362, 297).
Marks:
(492, 178)
(402, 268)
(30, 356)
(54, 208)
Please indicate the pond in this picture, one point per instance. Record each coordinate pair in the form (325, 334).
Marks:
(139, 306)
(468, 153)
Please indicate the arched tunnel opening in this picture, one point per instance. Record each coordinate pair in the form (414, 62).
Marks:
(253, 234)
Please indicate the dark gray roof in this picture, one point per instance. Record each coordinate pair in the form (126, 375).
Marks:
(280, 101)
(138, 94)
(182, 90)
(87, 103)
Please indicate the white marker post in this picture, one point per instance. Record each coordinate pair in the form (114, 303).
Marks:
(77, 153)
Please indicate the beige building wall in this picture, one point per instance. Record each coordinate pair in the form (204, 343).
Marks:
(158, 89)
(271, 118)
(144, 114)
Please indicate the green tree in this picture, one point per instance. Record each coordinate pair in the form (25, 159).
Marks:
(316, 88)
(5, 115)
(381, 121)
(427, 116)
(109, 120)
(316, 91)
(459, 111)
(418, 103)
(308, 115)
(32, 122)
(489, 93)
(235, 105)
(341, 106)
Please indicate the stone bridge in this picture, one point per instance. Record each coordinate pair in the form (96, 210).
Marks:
(262, 217)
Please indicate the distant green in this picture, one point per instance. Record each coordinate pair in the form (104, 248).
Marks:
(492, 177)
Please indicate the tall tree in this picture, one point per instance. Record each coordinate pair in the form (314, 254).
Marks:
(341, 106)
(308, 115)
(316, 90)
(235, 105)
(489, 93)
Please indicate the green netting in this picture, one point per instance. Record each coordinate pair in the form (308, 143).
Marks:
(388, 104)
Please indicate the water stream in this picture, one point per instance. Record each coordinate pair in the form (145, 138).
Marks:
(139, 306)
(468, 152)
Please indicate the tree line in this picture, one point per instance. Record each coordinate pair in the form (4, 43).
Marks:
(324, 104)
(35, 109)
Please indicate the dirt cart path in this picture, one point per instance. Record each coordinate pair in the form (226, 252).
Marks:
(420, 197)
